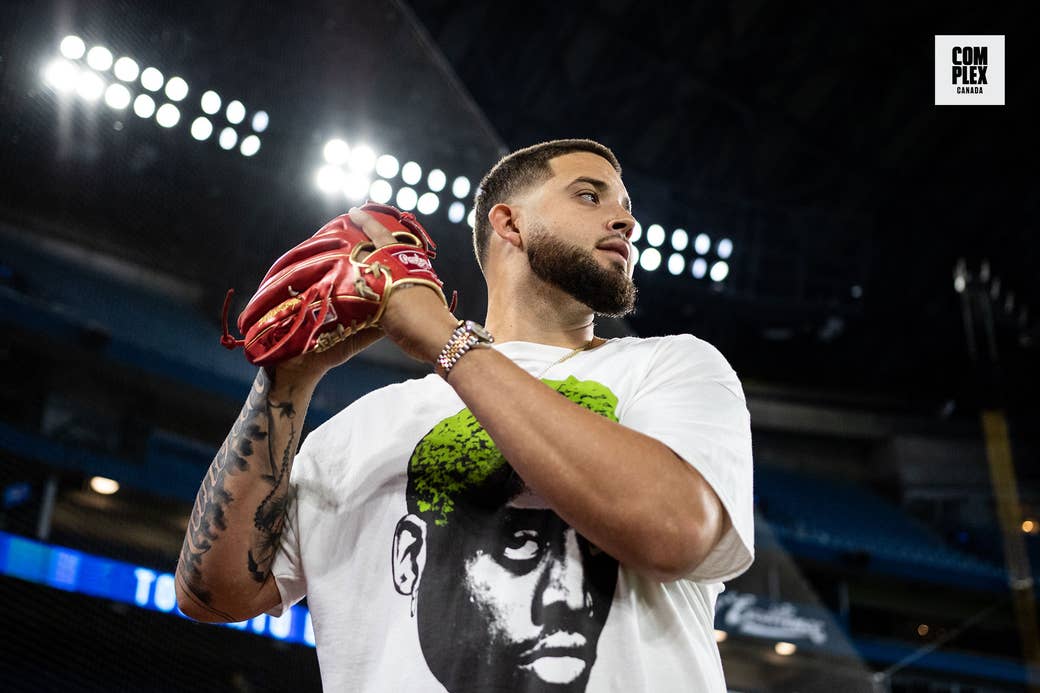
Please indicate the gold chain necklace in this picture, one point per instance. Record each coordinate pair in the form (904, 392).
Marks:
(574, 352)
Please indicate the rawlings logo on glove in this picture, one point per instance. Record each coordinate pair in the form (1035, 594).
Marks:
(320, 292)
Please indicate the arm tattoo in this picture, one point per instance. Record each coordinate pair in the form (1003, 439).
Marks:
(249, 435)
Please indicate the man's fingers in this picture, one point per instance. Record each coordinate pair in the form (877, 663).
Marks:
(372, 228)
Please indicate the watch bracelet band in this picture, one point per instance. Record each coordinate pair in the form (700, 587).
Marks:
(460, 342)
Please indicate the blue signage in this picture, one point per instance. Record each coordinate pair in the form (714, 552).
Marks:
(75, 571)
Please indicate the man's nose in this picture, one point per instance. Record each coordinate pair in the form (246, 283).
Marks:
(624, 224)
(565, 584)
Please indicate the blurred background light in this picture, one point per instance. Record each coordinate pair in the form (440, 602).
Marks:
(436, 180)
(99, 58)
(103, 485)
(144, 106)
(680, 239)
(355, 186)
(72, 47)
(428, 203)
(176, 89)
(655, 235)
(785, 649)
(152, 79)
(725, 248)
(699, 268)
(227, 139)
(387, 166)
(362, 159)
(329, 178)
(460, 187)
(650, 259)
(168, 115)
(126, 69)
(250, 145)
(201, 128)
(702, 244)
(61, 75)
(411, 173)
(719, 271)
(637, 232)
(236, 112)
(456, 211)
(676, 263)
(471, 218)
(260, 121)
(89, 86)
(117, 96)
(210, 102)
(336, 152)
(406, 199)
(380, 191)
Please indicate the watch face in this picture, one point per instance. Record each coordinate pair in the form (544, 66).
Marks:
(478, 329)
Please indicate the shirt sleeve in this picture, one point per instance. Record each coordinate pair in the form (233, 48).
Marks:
(691, 400)
(287, 567)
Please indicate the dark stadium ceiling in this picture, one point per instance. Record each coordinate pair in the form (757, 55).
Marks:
(807, 136)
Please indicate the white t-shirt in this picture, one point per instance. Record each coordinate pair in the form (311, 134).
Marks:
(428, 566)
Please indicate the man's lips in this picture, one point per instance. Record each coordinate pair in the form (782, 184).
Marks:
(617, 246)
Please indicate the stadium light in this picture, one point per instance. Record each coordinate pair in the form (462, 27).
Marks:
(785, 649)
(210, 102)
(428, 203)
(406, 199)
(650, 259)
(168, 115)
(387, 166)
(698, 268)
(702, 244)
(680, 239)
(176, 89)
(336, 152)
(144, 106)
(436, 180)
(72, 47)
(201, 128)
(355, 186)
(99, 58)
(104, 485)
(471, 218)
(676, 264)
(362, 159)
(329, 178)
(228, 138)
(460, 187)
(152, 79)
(250, 145)
(655, 235)
(126, 69)
(236, 112)
(637, 232)
(411, 173)
(61, 75)
(719, 271)
(117, 96)
(456, 212)
(89, 86)
(725, 248)
(380, 191)
(260, 121)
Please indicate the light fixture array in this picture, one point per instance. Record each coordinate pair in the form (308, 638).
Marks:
(95, 75)
(650, 253)
(357, 173)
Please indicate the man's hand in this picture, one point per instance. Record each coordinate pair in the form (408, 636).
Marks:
(415, 317)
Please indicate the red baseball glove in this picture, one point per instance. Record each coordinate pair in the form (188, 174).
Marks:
(320, 292)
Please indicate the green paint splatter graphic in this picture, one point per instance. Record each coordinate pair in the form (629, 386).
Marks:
(458, 454)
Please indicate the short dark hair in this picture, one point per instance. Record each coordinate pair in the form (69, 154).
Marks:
(518, 171)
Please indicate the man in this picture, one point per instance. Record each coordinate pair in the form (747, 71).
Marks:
(658, 481)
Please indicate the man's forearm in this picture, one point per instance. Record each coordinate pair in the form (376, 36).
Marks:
(624, 491)
(236, 525)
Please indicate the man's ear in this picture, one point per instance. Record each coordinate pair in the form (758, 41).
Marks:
(503, 220)
(409, 553)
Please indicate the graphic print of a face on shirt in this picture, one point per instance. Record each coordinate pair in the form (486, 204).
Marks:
(507, 596)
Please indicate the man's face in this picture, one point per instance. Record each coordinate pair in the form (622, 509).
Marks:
(533, 600)
(577, 225)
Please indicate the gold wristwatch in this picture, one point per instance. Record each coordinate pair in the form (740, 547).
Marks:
(467, 334)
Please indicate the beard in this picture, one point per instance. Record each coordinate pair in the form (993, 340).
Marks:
(574, 270)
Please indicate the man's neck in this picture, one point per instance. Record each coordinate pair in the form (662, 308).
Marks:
(543, 315)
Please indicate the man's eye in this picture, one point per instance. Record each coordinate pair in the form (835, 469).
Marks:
(522, 545)
(593, 197)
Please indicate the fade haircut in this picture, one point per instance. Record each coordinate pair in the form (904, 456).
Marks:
(516, 173)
